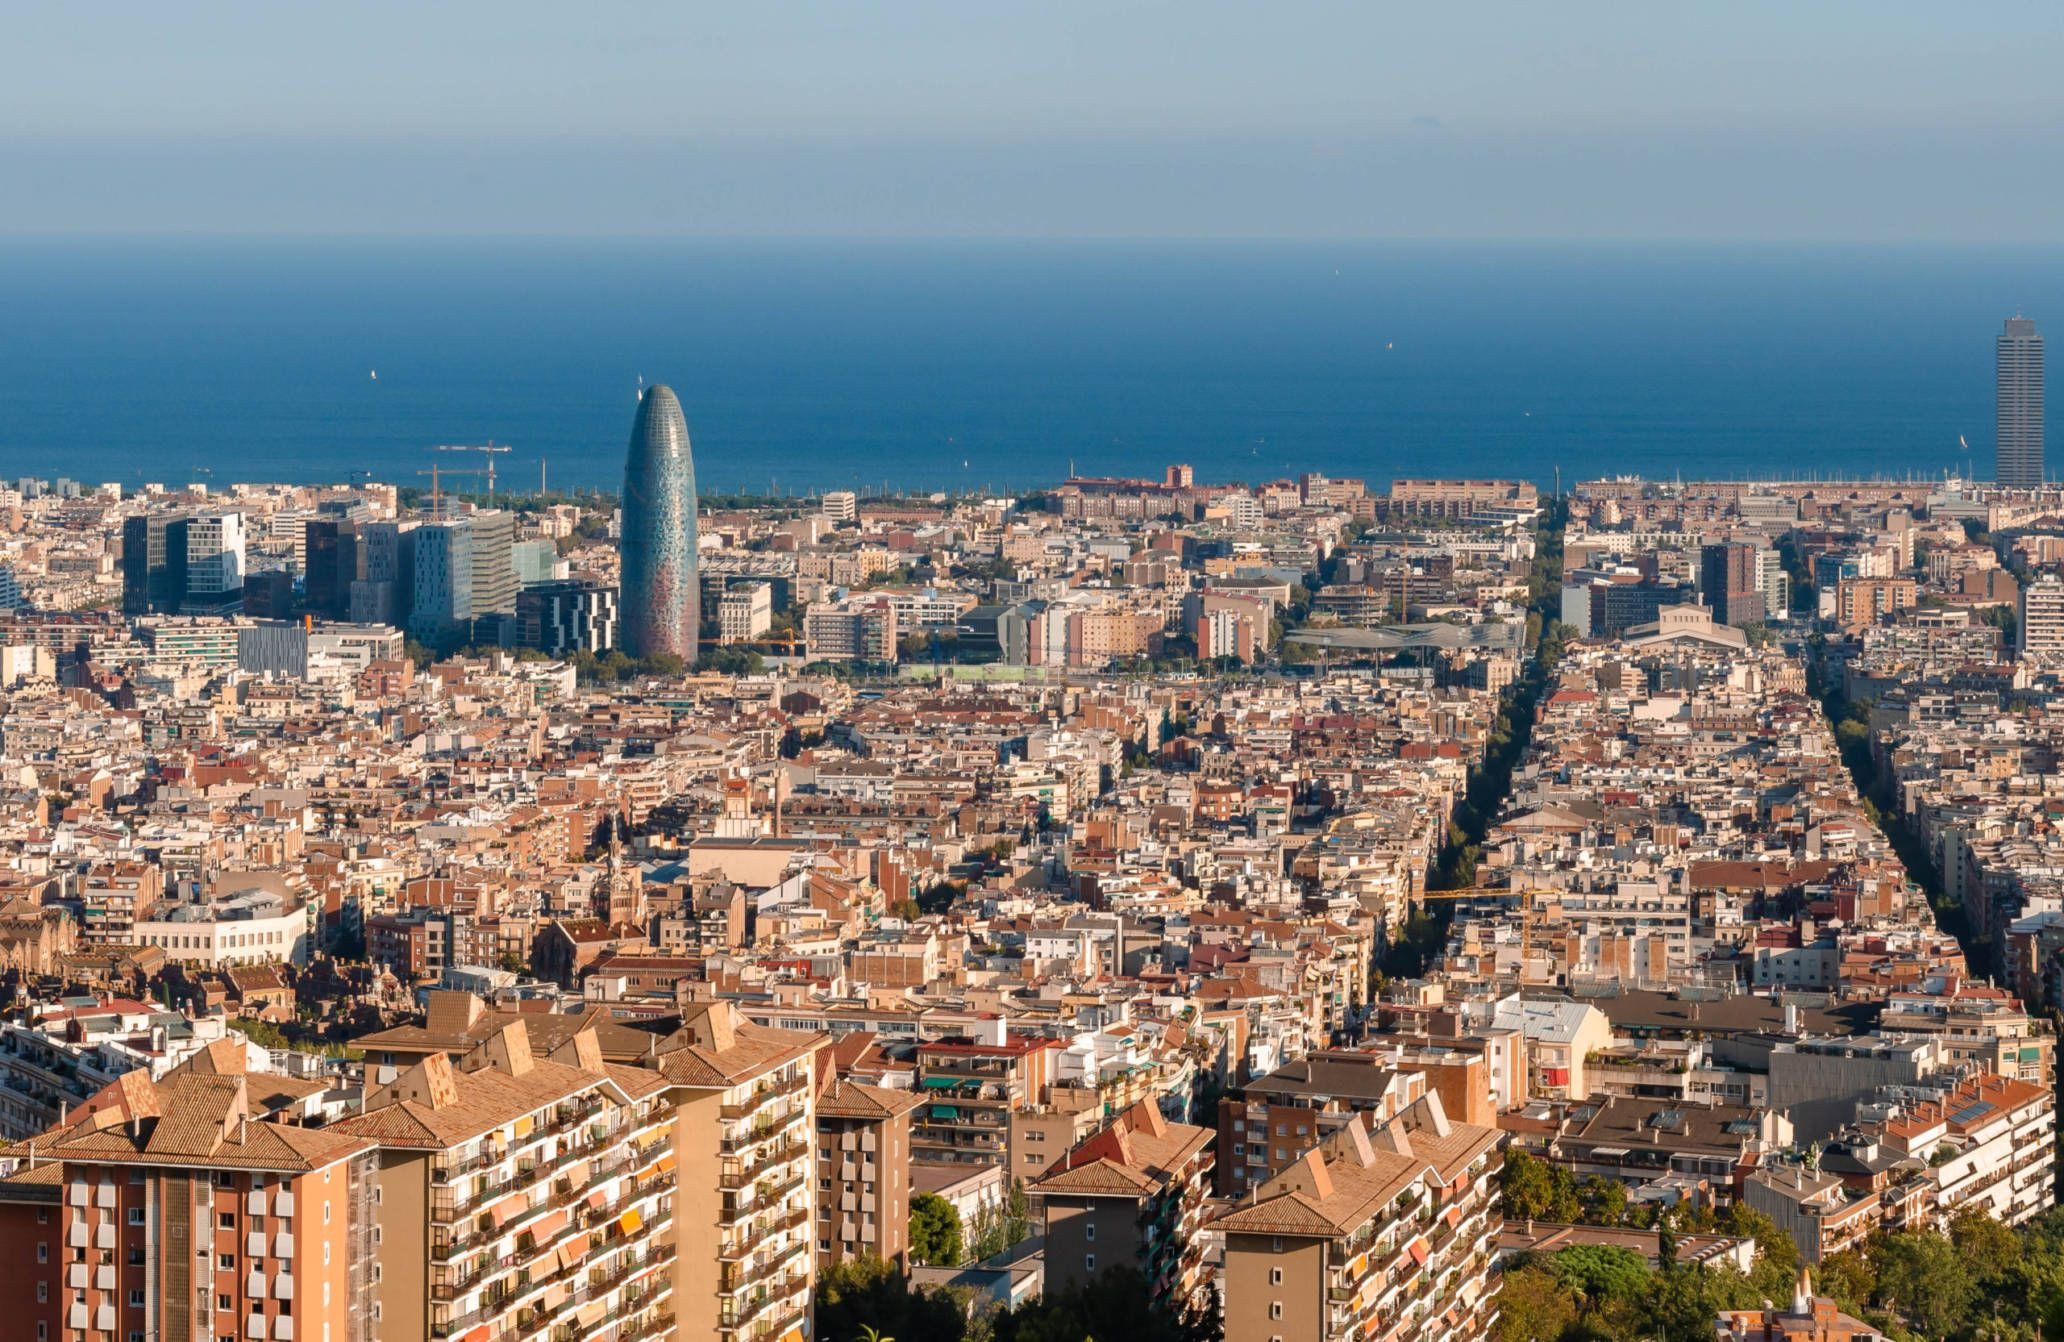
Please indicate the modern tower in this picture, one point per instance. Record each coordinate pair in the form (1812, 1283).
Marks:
(662, 592)
(2019, 463)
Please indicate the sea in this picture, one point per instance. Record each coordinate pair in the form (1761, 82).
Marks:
(1001, 365)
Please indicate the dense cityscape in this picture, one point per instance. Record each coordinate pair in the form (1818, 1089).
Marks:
(1262, 910)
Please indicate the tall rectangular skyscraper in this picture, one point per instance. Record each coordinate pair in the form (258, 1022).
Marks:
(2019, 460)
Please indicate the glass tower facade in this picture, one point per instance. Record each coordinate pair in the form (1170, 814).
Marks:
(662, 592)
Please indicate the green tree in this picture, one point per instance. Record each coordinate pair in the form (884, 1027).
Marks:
(1115, 1305)
(934, 1231)
(1533, 1306)
(866, 1297)
(1529, 1186)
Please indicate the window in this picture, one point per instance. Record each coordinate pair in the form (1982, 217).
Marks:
(1275, 1276)
(135, 1256)
(225, 1221)
(225, 1303)
(136, 1216)
(42, 1216)
(42, 1292)
(1239, 1148)
(1275, 1309)
(136, 1299)
(224, 1263)
(43, 1251)
(1089, 1262)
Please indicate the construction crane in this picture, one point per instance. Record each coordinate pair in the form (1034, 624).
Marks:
(1526, 895)
(436, 492)
(487, 449)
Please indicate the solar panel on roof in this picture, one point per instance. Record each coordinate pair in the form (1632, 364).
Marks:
(1971, 1112)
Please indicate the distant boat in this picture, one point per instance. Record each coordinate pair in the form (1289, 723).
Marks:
(374, 375)
(1390, 344)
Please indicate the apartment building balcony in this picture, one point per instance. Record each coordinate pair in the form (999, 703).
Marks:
(760, 1232)
(744, 1172)
(764, 1128)
(764, 1094)
(582, 1285)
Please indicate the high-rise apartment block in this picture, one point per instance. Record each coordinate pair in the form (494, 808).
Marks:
(1730, 583)
(2018, 454)
(863, 1172)
(2040, 636)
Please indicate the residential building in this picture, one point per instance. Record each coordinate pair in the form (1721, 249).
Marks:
(1384, 1230)
(863, 1172)
(517, 1194)
(1133, 1194)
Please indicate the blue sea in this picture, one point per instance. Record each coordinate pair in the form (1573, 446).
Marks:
(811, 365)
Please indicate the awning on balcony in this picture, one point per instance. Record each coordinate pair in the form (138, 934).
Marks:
(548, 1227)
(591, 1313)
(507, 1210)
(945, 1111)
(573, 1251)
(1453, 1216)
(1418, 1250)
(630, 1221)
(577, 1173)
(666, 1164)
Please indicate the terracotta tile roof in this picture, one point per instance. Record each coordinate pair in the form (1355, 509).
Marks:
(1356, 1174)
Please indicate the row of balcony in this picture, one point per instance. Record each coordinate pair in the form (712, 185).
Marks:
(597, 1282)
(763, 1094)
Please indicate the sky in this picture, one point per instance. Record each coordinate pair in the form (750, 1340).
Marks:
(1745, 121)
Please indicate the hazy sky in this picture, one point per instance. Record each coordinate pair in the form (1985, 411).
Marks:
(1546, 119)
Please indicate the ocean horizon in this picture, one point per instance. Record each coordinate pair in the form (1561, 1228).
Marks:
(805, 366)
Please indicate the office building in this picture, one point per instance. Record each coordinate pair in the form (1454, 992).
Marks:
(2018, 459)
(153, 564)
(1729, 582)
(746, 612)
(214, 562)
(384, 590)
(842, 506)
(565, 616)
(332, 565)
(442, 609)
(857, 629)
(662, 596)
(494, 561)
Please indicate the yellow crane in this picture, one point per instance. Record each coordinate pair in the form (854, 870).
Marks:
(1526, 895)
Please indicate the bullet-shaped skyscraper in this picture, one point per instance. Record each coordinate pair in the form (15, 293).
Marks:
(2018, 463)
(662, 594)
